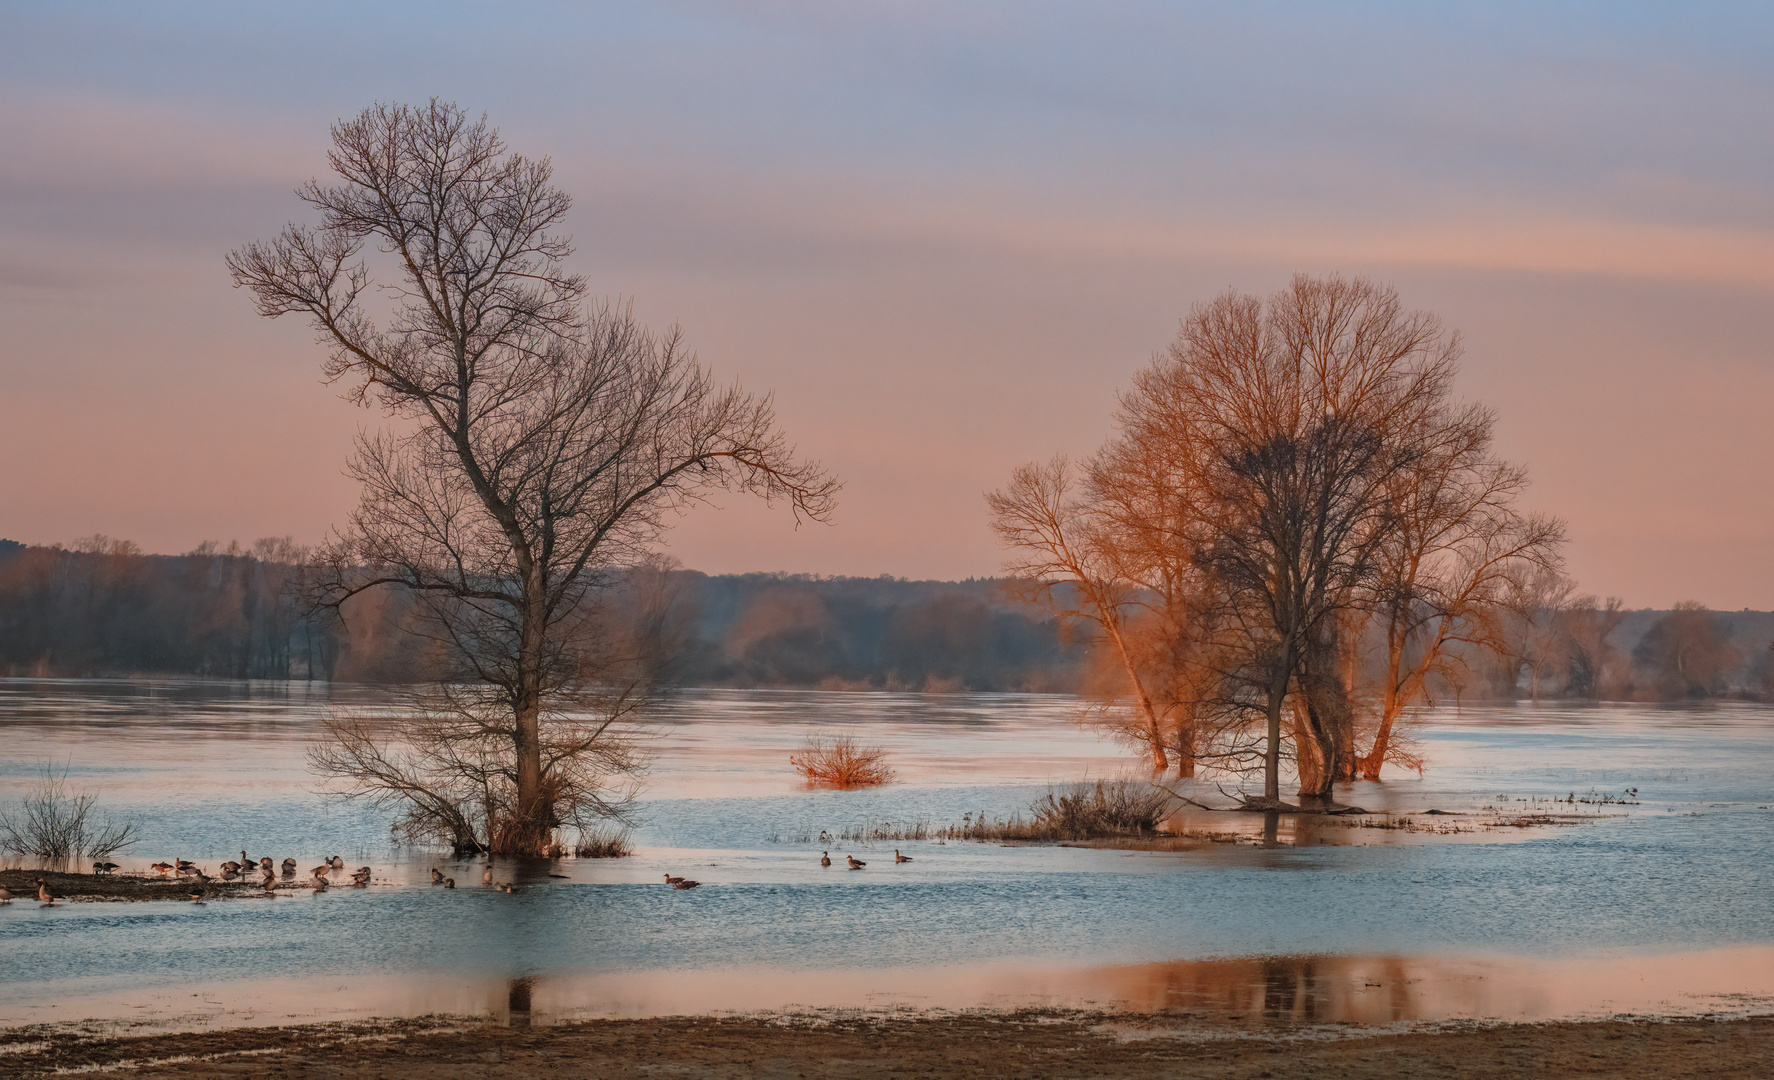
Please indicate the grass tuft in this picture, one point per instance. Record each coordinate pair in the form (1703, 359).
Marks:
(603, 844)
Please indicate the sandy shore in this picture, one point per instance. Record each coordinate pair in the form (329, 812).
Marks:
(1024, 1044)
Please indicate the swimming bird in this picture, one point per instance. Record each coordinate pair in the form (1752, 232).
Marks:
(161, 868)
(449, 883)
(669, 880)
(437, 877)
(825, 858)
(897, 857)
(104, 868)
(855, 863)
(685, 883)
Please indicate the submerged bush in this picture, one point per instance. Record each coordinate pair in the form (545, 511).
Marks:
(56, 824)
(838, 762)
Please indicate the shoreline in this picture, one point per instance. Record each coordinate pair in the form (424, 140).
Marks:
(845, 1043)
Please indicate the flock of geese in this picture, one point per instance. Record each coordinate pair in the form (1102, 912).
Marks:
(319, 877)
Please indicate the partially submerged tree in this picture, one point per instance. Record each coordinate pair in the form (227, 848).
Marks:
(1289, 471)
(541, 445)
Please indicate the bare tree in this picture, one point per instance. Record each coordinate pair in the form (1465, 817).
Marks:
(541, 446)
(1688, 653)
(1299, 416)
(1456, 549)
(1062, 541)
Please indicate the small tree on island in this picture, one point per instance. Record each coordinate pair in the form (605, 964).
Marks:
(543, 445)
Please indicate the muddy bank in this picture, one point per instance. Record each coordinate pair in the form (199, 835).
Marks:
(84, 888)
(1025, 1044)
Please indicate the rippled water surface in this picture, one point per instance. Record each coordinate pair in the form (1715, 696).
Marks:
(1665, 905)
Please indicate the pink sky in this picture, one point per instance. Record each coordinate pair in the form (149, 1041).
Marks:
(943, 240)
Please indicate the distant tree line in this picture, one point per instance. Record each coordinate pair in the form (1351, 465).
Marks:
(100, 607)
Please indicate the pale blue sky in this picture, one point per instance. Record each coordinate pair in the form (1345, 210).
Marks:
(944, 234)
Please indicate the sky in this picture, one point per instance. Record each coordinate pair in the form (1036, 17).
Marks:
(943, 235)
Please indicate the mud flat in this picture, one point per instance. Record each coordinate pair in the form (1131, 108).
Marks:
(87, 888)
(837, 1044)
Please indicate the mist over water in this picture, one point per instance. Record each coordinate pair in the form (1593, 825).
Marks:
(1665, 905)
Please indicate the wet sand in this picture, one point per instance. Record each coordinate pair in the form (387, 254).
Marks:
(1018, 1044)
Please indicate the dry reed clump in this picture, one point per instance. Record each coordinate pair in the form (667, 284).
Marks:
(1097, 810)
(836, 761)
(603, 844)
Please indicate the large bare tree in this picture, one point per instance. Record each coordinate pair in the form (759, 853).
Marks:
(539, 445)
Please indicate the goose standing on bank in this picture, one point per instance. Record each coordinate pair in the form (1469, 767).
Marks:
(437, 877)
(46, 897)
(289, 868)
(161, 868)
(336, 863)
(104, 868)
(486, 876)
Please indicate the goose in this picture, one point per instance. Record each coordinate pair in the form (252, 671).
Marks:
(336, 863)
(320, 871)
(43, 893)
(486, 876)
(825, 858)
(5, 895)
(449, 883)
(685, 883)
(289, 868)
(161, 868)
(317, 883)
(855, 863)
(246, 863)
(104, 868)
(898, 858)
(182, 865)
(230, 868)
(197, 896)
(265, 866)
(669, 880)
(437, 877)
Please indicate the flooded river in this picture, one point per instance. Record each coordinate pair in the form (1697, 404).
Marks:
(1662, 905)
